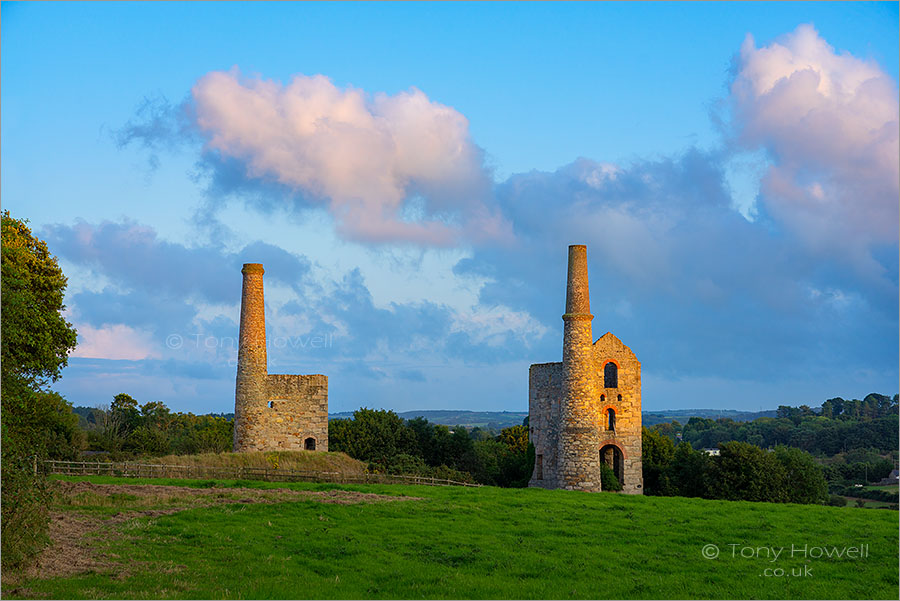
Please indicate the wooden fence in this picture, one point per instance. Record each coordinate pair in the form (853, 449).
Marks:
(127, 469)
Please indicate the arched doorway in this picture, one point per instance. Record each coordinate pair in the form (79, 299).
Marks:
(612, 456)
(310, 444)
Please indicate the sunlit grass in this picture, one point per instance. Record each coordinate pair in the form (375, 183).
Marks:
(284, 460)
(490, 543)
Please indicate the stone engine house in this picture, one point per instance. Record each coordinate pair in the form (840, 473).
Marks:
(587, 409)
(273, 412)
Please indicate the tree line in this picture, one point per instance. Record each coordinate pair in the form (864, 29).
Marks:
(390, 444)
(838, 426)
(740, 472)
(126, 429)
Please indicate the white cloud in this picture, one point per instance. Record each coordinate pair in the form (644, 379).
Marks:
(372, 162)
(117, 341)
(829, 123)
(497, 325)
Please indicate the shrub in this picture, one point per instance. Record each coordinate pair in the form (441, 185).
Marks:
(608, 480)
(837, 501)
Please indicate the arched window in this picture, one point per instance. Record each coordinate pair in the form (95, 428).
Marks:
(310, 444)
(610, 375)
(271, 404)
(602, 398)
(620, 398)
(611, 420)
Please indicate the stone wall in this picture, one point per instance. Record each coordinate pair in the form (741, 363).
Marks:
(296, 410)
(544, 393)
(569, 403)
(627, 433)
(273, 412)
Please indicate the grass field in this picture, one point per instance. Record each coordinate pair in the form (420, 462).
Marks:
(464, 543)
(285, 460)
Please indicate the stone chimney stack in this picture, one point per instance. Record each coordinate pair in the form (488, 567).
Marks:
(250, 395)
(578, 457)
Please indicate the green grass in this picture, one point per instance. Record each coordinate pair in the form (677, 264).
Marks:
(488, 542)
(889, 488)
(285, 460)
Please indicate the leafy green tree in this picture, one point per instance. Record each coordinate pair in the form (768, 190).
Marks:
(690, 474)
(462, 451)
(656, 457)
(126, 409)
(34, 423)
(372, 435)
(515, 438)
(37, 338)
(488, 455)
(803, 478)
(517, 461)
(743, 472)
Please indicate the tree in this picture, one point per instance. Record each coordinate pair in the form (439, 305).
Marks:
(656, 456)
(803, 478)
(743, 472)
(35, 423)
(515, 437)
(36, 337)
(690, 472)
(516, 464)
(372, 435)
(125, 408)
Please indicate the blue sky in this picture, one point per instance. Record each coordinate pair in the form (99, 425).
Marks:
(738, 196)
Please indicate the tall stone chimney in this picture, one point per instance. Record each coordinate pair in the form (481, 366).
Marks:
(250, 395)
(578, 455)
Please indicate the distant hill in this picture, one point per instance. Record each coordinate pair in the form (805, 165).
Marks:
(683, 415)
(496, 420)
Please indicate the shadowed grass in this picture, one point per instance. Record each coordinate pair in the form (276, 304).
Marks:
(492, 543)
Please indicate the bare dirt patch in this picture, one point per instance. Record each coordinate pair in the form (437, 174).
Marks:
(71, 532)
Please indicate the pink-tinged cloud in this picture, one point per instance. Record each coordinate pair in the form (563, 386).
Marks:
(117, 341)
(388, 168)
(829, 123)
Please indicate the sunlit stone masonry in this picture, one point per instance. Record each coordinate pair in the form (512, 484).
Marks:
(273, 412)
(587, 409)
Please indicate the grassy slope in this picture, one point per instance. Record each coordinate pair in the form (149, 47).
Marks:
(286, 460)
(491, 543)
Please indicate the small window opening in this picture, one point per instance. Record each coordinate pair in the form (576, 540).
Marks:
(271, 404)
(310, 444)
(602, 398)
(539, 463)
(620, 398)
(611, 420)
(610, 375)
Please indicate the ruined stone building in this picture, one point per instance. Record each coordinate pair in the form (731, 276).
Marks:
(587, 409)
(273, 412)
